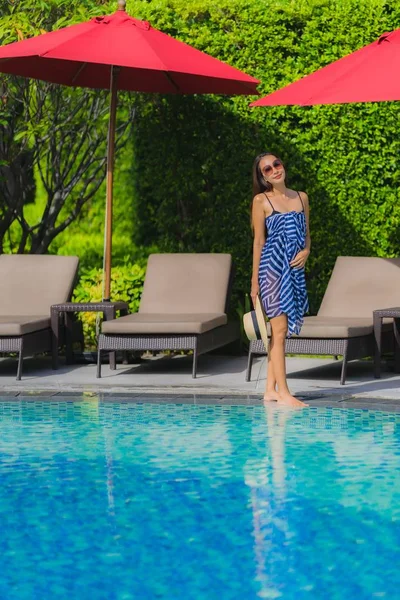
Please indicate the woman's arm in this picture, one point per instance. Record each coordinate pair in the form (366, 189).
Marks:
(258, 220)
(304, 197)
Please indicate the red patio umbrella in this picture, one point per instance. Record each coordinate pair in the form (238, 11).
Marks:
(118, 52)
(367, 75)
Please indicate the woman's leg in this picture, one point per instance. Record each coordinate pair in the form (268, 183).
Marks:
(271, 395)
(279, 327)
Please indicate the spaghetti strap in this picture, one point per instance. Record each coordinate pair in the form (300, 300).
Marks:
(272, 206)
(302, 204)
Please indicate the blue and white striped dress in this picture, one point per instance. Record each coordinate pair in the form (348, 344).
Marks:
(282, 287)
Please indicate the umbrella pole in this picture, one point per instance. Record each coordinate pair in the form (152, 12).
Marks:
(109, 187)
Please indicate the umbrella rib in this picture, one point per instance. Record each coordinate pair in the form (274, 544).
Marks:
(171, 81)
(79, 71)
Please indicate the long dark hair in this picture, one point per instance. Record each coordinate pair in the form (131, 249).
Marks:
(259, 183)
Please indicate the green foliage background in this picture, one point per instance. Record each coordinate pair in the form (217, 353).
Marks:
(126, 282)
(184, 182)
(193, 156)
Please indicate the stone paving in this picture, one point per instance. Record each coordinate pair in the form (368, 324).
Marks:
(220, 379)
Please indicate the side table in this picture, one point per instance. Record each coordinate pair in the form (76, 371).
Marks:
(378, 316)
(109, 310)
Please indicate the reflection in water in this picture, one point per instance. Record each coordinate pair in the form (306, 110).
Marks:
(325, 504)
(268, 487)
(131, 501)
(108, 455)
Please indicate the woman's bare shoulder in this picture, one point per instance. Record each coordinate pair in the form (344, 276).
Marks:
(259, 199)
(260, 207)
(304, 196)
(294, 194)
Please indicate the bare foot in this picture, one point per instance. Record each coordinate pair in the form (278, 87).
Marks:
(289, 400)
(271, 396)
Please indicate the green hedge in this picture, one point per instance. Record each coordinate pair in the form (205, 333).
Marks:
(185, 182)
(126, 284)
(193, 155)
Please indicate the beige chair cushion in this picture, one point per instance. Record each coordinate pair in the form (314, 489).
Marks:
(141, 324)
(186, 283)
(337, 327)
(31, 283)
(20, 325)
(359, 285)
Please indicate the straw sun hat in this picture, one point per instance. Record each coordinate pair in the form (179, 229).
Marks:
(255, 324)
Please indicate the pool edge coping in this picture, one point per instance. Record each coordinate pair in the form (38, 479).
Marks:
(186, 395)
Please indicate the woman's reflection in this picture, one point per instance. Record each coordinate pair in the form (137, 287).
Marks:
(267, 480)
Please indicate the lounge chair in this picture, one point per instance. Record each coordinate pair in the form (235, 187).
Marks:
(344, 323)
(30, 284)
(183, 307)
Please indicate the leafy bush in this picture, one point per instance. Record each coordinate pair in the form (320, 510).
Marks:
(193, 155)
(184, 183)
(126, 284)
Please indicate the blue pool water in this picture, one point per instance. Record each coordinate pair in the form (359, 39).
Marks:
(136, 501)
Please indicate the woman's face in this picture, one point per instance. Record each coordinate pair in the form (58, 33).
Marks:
(272, 169)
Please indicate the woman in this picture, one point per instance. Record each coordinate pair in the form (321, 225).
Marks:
(280, 219)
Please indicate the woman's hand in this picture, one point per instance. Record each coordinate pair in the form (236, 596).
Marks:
(255, 290)
(300, 259)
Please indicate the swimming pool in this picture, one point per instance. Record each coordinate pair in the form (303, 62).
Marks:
(120, 500)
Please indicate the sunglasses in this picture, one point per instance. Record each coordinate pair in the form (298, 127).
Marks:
(277, 164)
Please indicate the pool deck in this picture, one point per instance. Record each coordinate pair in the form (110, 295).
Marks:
(221, 377)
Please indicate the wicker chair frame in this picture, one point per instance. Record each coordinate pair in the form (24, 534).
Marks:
(24, 345)
(349, 348)
(198, 343)
(33, 343)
